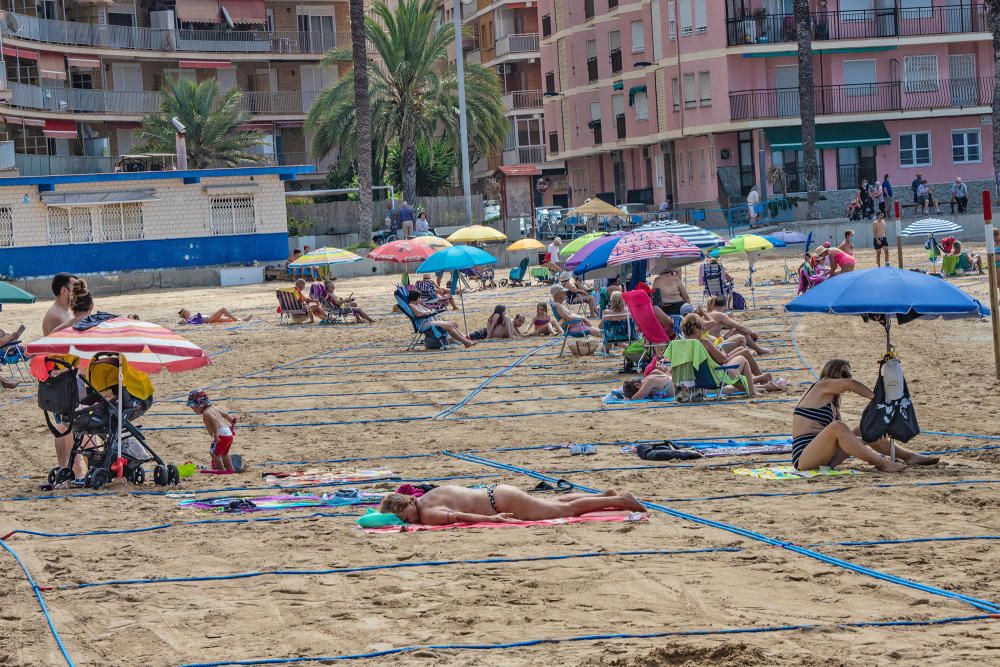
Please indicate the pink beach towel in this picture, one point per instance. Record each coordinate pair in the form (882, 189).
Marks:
(586, 518)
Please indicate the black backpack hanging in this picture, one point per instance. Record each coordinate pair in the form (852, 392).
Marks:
(889, 415)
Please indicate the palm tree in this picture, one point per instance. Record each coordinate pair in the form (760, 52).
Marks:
(212, 122)
(359, 52)
(807, 106)
(992, 8)
(413, 92)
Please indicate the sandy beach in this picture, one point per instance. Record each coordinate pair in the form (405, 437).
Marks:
(348, 397)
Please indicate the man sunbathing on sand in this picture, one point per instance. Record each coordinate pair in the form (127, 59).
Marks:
(498, 503)
(736, 334)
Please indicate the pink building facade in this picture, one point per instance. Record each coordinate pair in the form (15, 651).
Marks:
(648, 100)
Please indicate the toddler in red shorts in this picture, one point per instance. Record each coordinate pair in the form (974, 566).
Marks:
(220, 426)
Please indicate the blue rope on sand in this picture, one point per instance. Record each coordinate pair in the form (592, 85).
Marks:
(592, 638)
(983, 605)
(395, 566)
(41, 603)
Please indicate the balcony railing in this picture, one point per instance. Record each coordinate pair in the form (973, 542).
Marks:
(620, 125)
(7, 160)
(56, 165)
(526, 99)
(864, 24)
(592, 69)
(474, 57)
(126, 37)
(865, 98)
(524, 155)
(595, 125)
(80, 100)
(523, 43)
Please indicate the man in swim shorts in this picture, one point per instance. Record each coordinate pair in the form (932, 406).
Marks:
(880, 241)
(498, 503)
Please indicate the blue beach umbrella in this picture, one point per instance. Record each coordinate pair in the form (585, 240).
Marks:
(696, 236)
(457, 258)
(775, 241)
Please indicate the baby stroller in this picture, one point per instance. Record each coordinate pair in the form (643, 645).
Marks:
(87, 408)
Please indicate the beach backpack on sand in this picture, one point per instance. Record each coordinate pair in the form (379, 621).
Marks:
(739, 303)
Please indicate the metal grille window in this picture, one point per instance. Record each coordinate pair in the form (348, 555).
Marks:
(920, 73)
(6, 227)
(121, 222)
(233, 215)
(70, 225)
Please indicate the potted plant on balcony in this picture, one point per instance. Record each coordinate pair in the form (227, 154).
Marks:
(760, 18)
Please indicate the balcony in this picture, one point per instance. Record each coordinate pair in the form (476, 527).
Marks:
(523, 43)
(524, 155)
(216, 41)
(7, 160)
(80, 100)
(620, 126)
(887, 96)
(57, 165)
(865, 24)
(616, 61)
(595, 125)
(474, 57)
(523, 99)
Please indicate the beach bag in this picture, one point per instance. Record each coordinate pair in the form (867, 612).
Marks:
(432, 342)
(739, 303)
(891, 412)
(583, 347)
(666, 451)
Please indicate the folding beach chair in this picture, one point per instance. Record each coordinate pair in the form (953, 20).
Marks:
(12, 356)
(429, 296)
(516, 276)
(289, 307)
(617, 331)
(541, 274)
(566, 324)
(640, 309)
(713, 277)
(423, 327)
(694, 371)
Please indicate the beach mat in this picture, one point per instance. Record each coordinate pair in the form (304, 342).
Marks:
(788, 472)
(318, 476)
(244, 504)
(616, 397)
(592, 517)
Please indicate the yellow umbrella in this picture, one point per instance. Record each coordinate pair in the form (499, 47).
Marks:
(477, 234)
(598, 207)
(526, 244)
(435, 242)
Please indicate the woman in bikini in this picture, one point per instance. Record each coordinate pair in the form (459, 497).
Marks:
(498, 503)
(657, 386)
(544, 326)
(821, 438)
(840, 261)
(500, 325)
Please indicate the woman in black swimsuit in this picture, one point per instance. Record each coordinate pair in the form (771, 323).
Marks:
(821, 438)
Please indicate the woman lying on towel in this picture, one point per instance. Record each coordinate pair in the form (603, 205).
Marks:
(498, 503)
(821, 438)
(221, 316)
(656, 386)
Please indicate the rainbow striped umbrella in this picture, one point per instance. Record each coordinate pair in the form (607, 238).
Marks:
(150, 348)
(326, 257)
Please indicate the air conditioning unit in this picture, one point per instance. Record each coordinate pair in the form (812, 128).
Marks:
(503, 69)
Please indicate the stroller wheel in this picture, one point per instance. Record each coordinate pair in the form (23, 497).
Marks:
(173, 475)
(160, 475)
(138, 476)
(97, 478)
(58, 475)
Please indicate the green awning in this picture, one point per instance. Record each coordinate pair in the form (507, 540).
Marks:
(633, 91)
(618, 85)
(835, 135)
(821, 50)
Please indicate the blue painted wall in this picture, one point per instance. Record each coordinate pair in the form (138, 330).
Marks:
(41, 261)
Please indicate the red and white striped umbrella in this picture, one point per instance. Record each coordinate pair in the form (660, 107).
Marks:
(148, 347)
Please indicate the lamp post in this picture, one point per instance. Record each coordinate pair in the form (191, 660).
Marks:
(463, 129)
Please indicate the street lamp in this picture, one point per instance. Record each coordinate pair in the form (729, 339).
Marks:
(463, 126)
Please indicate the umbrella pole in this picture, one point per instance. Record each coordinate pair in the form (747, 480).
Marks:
(120, 381)
(991, 269)
(887, 323)
(461, 296)
(899, 235)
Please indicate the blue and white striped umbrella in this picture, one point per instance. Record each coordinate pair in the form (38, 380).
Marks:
(929, 226)
(696, 236)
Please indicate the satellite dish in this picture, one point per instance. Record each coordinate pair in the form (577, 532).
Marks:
(228, 17)
(11, 22)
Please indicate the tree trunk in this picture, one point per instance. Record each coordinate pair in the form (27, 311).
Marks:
(362, 120)
(408, 165)
(807, 106)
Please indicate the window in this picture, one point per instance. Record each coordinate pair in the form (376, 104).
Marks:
(690, 94)
(121, 222)
(859, 77)
(916, 9)
(672, 19)
(700, 16)
(615, 50)
(920, 73)
(641, 102)
(233, 215)
(701, 164)
(675, 91)
(529, 131)
(638, 37)
(588, 9)
(612, 4)
(690, 166)
(550, 82)
(592, 60)
(546, 25)
(595, 111)
(687, 18)
(705, 87)
(553, 143)
(70, 225)
(965, 147)
(6, 227)
(915, 149)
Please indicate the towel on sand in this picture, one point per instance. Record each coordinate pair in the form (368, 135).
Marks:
(615, 396)
(788, 472)
(318, 476)
(281, 502)
(590, 517)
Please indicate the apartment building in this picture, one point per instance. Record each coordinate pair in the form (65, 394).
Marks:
(648, 100)
(504, 35)
(80, 74)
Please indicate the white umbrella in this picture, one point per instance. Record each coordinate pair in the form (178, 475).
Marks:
(929, 226)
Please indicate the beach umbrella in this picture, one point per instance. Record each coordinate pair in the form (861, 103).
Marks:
(614, 250)
(457, 258)
(775, 241)
(599, 208)
(14, 294)
(696, 236)
(929, 226)
(526, 244)
(573, 246)
(326, 257)
(432, 241)
(789, 237)
(403, 252)
(150, 348)
(477, 234)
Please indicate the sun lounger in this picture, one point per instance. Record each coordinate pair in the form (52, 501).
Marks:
(291, 311)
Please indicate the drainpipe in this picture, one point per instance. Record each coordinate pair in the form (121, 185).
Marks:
(762, 168)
